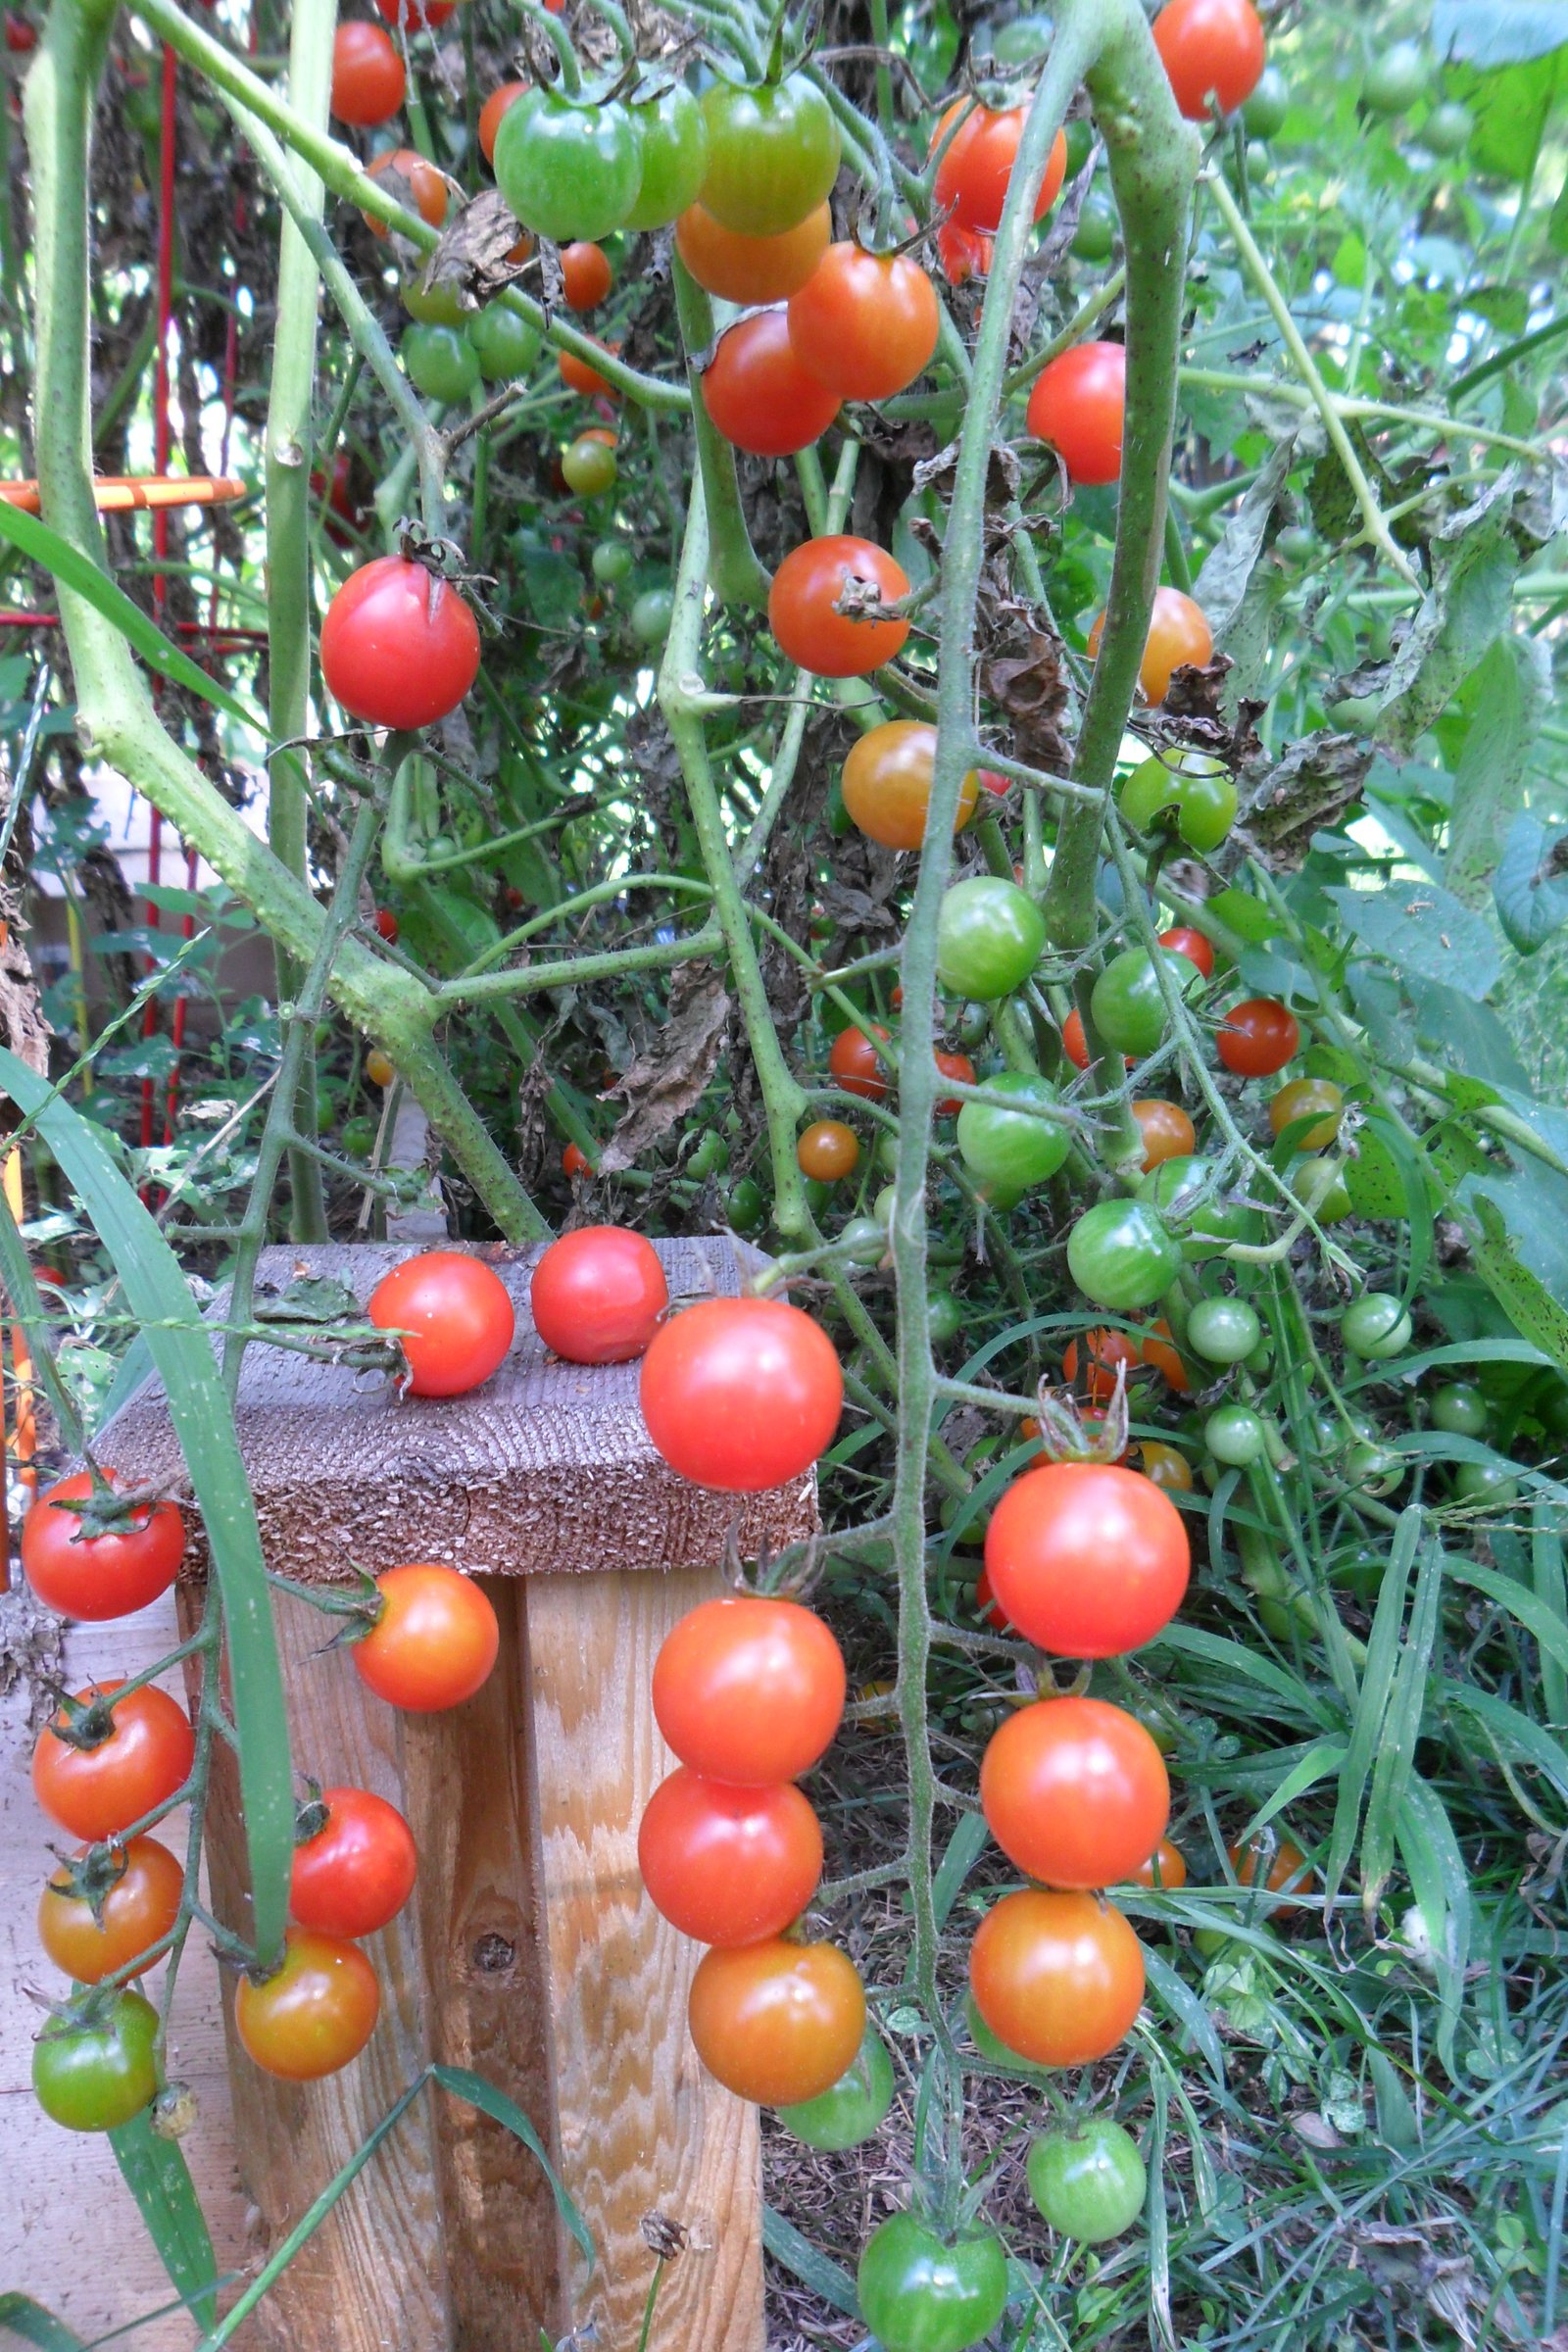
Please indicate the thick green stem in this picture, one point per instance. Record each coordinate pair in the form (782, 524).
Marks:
(734, 572)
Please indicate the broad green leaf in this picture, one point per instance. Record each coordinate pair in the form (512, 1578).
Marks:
(30, 2324)
(1424, 930)
(827, 2279)
(1474, 563)
(1512, 107)
(1529, 889)
(1399, 2125)
(1491, 774)
(155, 2172)
(1497, 32)
(1377, 1686)
(464, 2083)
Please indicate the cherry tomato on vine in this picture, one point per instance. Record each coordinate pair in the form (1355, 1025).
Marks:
(586, 272)
(356, 1869)
(1194, 787)
(21, 34)
(856, 1067)
(435, 304)
(672, 134)
(1127, 1003)
(828, 1151)
(760, 397)
(964, 253)
(96, 2065)
(1318, 1099)
(424, 190)
(1213, 52)
(1122, 1255)
(314, 2013)
(1078, 405)
(1168, 1130)
(1395, 79)
(507, 343)
(399, 648)
(1460, 1410)
(1182, 940)
(103, 1576)
(1103, 1351)
(1264, 112)
(441, 363)
(597, 1294)
(1273, 1864)
(887, 784)
(749, 1690)
(1089, 2182)
(772, 155)
(1074, 1791)
(741, 1393)
(1159, 1352)
(1376, 1326)
(435, 1640)
(751, 271)
(386, 926)
(1057, 1976)
(142, 1761)
(1235, 1435)
(816, 577)
(1257, 1038)
(379, 1068)
(1177, 634)
(589, 467)
(777, 2022)
(581, 376)
(575, 1163)
(958, 1066)
(864, 324)
(1202, 1226)
(1166, 1866)
(1087, 1560)
(977, 163)
(851, 2109)
(728, 1865)
(1164, 1467)
(1223, 1331)
(568, 170)
(921, 2293)
(990, 936)
(416, 15)
(368, 80)
(499, 102)
(1009, 1151)
(453, 1316)
(135, 1909)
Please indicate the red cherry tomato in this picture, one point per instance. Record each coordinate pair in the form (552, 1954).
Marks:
(368, 80)
(416, 15)
(435, 1642)
(1166, 1866)
(145, 1759)
(1182, 940)
(314, 2015)
(973, 174)
(1078, 405)
(1257, 1038)
(1213, 52)
(964, 253)
(98, 1577)
(399, 648)
(358, 1869)
(758, 396)
(855, 1065)
(1273, 1865)
(1087, 1560)
(741, 1393)
(586, 271)
(575, 1163)
(426, 191)
(1058, 1978)
(954, 1066)
(864, 324)
(387, 923)
(728, 1865)
(985, 1601)
(597, 1294)
(1168, 1130)
(776, 2022)
(22, 35)
(812, 580)
(1074, 1044)
(1105, 1351)
(454, 1317)
(490, 114)
(751, 271)
(139, 1910)
(1177, 634)
(580, 376)
(1160, 1353)
(1075, 1792)
(749, 1690)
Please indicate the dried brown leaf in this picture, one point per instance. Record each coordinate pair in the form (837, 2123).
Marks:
(1022, 673)
(670, 1074)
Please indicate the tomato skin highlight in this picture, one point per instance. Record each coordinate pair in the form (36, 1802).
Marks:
(96, 1578)
(810, 581)
(597, 1294)
(399, 649)
(777, 2022)
(919, 2293)
(866, 323)
(1210, 50)
(749, 1690)
(1087, 1560)
(94, 2074)
(139, 1910)
(1078, 405)
(1057, 1976)
(740, 1394)
(96, 1792)
(369, 79)
(887, 780)
(1257, 1038)
(314, 2015)
(728, 1864)
(974, 172)
(454, 1316)
(433, 1644)
(1075, 1792)
(358, 1871)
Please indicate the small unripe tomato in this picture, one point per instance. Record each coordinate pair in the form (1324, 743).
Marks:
(1318, 1099)
(1235, 1435)
(1375, 1326)
(1223, 1331)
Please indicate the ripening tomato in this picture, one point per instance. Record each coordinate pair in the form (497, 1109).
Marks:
(1074, 1042)
(416, 15)
(399, 646)
(490, 114)
(368, 80)
(314, 2013)
(1168, 1130)
(1160, 1354)
(1213, 52)
(386, 924)
(964, 253)
(776, 2022)
(1316, 1099)
(866, 323)
(1183, 939)
(960, 1067)
(98, 1577)
(828, 1151)
(1273, 1863)
(772, 155)
(1103, 1351)
(812, 581)
(586, 272)
(434, 1640)
(1177, 634)
(1079, 404)
(1088, 2182)
(565, 170)
(973, 174)
(453, 1316)
(741, 1393)
(597, 1294)
(855, 1064)
(728, 1865)
(757, 393)
(851, 2109)
(1086, 1558)
(1074, 1791)
(355, 1871)
(887, 784)
(1166, 1866)
(749, 1688)
(1164, 1467)
(1057, 1976)
(141, 1762)
(425, 188)
(136, 1909)
(751, 271)
(1257, 1038)
(379, 1068)
(95, 2067)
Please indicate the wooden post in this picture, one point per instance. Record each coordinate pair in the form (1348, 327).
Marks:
(529, 1952)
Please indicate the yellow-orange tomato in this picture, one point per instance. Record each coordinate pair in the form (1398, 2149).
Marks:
(776, 2022)
(828, 1150)
(1178, 633)
(887, 784)
(1166, 1866)
(378, 1067)
(426, 187)
(1316, 1099)
(1164, 1467)
(1105, 1351)
(1255, 1866)
(1058, 1978)
(585, 378)
(586, 274)
(1168, 1130)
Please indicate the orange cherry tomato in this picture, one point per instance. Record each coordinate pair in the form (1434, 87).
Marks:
(1074, 1791)
(315, 2014)
(137, 1912)
(757, 393)
(490, 114)
(728, 1865)
(1057, 1976)
(575, 1163)
(975, 168)
(749, 1690)
(1104, 1350)
(1183, 939)
(887, 784)
(1075, 1045)
(580, 376)
(1177, 634)
(1273, 1865)
(586, 269)
(964, 253)
(369, 79)
(144, 1760)
(1257, 1038)
(1087, 1558)
(1078, 405)
(357, 1871)
(775, 2021)
(828, 1151)
(855, 1064)
(1168, 1130)
(425, 193)
(1159, 1350)
(1213, 52)
(864, 324)
(1166, 1867)
(435, 1642)
(752, 270)
(812, 581)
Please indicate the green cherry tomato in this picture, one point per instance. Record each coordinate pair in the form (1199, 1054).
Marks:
(864, 1242)
(1375, 1327)
(94, 2070)
(1235, 1435)
(944, 1317)
(1089, 2184)
(1320, 1187)
(1095, 238)
(1128, 1009)
(1359, 1572)
(1205, 1227)
(434, 305)
(1486, 1482)
(990, 936)
(567, 172)
(508, 345)
(710, 1157)
(772, 155)
(1024, 42)
(1223, 1331)
(1007, 1148)
(613, 562)
(589, 467)
(851, 2109)
(1395, 80)
(918, 2293)
(674, 142)
(1446, 130)
(650, 615)
(1296, 545)
(1121, 1257)
(1460, 1410)
(441, 363)
(1265, 111)
(1367, 1464)
(1193, 785)
(748, 1211)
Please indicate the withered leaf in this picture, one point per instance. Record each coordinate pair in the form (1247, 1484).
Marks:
(1022, 674)
(669, 1075)
(472, 253)
(23, 1030)
(1316, 782)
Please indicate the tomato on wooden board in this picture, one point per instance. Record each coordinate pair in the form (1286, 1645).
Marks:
(740, 1394)
(96, 2066)
(866, 323)
(1213, 52)
(1182, 940)
(98, 1577)
(1057, 1976)
(990, 936)
(1178, 633)
(1257, 1038)
(672, 133)
(453, 1315)
(355, 1871)
(772, 155)
(751, 271)
(1166, 1129)
(597, 1294)
(851, 2109)
(1078, 405)
(812, 581)
(399, 646)
(1074, 1791)
(775, 2021)
(369, 79)
(856, 1067)
(828, 1151)
(1089, 2182)
(1102, 1351)
(135, 1909)
(568, 170)
(749, 1690)
(1087, 1560)
(1166, 1866)
(495, 106)
(921, 2293)
(885, 784)
(142, 1762)
(728, 1864)
(1318, 1099)
(314, 2013)
(434, 1640)
(972, 182)
(424, 186)
(586, 272)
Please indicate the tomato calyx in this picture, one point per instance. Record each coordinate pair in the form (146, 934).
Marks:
(87, 1723)
(1073, 1433)
(92, 1876)
(115, 1505)
(310, 1814)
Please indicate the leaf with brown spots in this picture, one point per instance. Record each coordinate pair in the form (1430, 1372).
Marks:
(1311, 787)
(1022, 674)
(671, 1073)
(472, 253)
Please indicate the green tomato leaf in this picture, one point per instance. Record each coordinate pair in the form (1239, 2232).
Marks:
(1531, 885)
(1511, 688)
(1498, 32)
(1474, 563)
(1511, 105)
(1425, 930)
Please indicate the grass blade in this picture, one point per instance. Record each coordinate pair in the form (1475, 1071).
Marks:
(30, 2324)
(1536, 1615)
(494, 2103)
(1551, 1591)
(1441, 1885)
(1401, 1726)
(1177, 1997)
(825, 2280)
(1191, 1641)
(155, 2172)
(964, 1850)
(1377, 1683)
